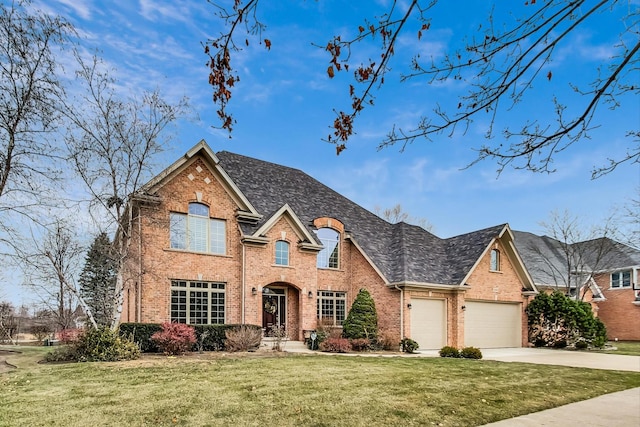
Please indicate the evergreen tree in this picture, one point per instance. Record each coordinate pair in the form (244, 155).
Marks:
(362, 320)
(98, 280)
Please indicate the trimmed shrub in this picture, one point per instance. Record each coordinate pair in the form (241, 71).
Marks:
(208, 337)
(140, 333)
(360, 344)
(471, 353)
(362, 320)
(335, 345)
(213, 337)
(96, 345)
(243, 338)
(408, 345)
(175, 338)
(448, 351)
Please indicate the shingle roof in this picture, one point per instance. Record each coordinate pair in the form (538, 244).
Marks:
(402, 252)
(546, 259)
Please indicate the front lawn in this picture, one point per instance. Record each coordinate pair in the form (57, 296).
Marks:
(289, 390)
(631, 348)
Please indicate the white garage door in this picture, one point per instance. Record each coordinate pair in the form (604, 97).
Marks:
(429, 323)
(492, 325)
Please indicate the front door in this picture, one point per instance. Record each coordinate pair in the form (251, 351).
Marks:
(274, 309)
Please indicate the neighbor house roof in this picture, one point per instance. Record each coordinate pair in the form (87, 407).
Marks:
(546, 257)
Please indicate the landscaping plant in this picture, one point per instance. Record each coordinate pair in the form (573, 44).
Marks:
(471, 353)
(448, 351)
(362, 320)
(408, 345)
(175, 338)
(558, 320)
(243, 338)
(96, 345)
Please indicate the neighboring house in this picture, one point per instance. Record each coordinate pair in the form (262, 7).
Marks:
(223, 238)
(601, 271)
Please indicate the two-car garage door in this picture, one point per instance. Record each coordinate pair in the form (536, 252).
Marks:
(486, 324)
(492, 325)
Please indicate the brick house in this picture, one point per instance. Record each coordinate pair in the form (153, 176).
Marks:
(224, 238)
(606, 276)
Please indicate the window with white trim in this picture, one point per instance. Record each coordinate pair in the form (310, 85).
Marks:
(282, 252)
(197, 303)
(329, 256)
(197, 232)
(495, 260)
(621, 279)
(332, 307)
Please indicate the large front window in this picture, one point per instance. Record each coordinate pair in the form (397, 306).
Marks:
(197, 232)
(621, 279)
(332, 307)
(328, 257)
(197, 303)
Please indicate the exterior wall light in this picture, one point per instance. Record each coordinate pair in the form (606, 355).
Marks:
(310, 294)
(254, 291)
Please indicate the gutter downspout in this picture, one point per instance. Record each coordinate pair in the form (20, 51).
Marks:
(243, 283)
(401, 310)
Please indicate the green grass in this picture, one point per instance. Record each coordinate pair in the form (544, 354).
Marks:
(631, 348)
(210, 390)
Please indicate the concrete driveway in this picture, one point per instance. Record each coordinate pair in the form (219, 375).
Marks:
(580, 359)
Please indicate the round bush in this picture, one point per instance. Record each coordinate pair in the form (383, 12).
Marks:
(448, 351)
(471, 353)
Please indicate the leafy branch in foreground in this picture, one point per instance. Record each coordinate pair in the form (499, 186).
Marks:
(498, 69)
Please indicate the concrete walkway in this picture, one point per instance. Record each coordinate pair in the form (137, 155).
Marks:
(621, 409)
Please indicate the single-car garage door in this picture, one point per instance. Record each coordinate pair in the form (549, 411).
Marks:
(492, 325)
(429, 323)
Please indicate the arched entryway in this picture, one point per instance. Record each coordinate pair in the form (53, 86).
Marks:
(281, 308)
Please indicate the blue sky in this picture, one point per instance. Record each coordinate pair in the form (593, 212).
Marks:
(284, 100)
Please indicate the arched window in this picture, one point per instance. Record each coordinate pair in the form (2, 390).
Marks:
(329, 256)
(495, 260)
(282, 252)
(197, 232)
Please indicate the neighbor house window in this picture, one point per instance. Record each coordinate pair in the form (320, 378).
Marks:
(332, 307)
(621, 279)
(282, 252)
(328, 257)
(197, 303)
(495, 260)
(197, 232)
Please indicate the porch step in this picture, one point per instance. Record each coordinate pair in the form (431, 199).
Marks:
(286, 344)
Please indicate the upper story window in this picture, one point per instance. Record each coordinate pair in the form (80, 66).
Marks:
(282, 252)
(197, 232)
(328, 257)
(621, 279)
(495, 260)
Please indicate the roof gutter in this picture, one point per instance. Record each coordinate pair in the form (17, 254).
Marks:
(425, 285)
